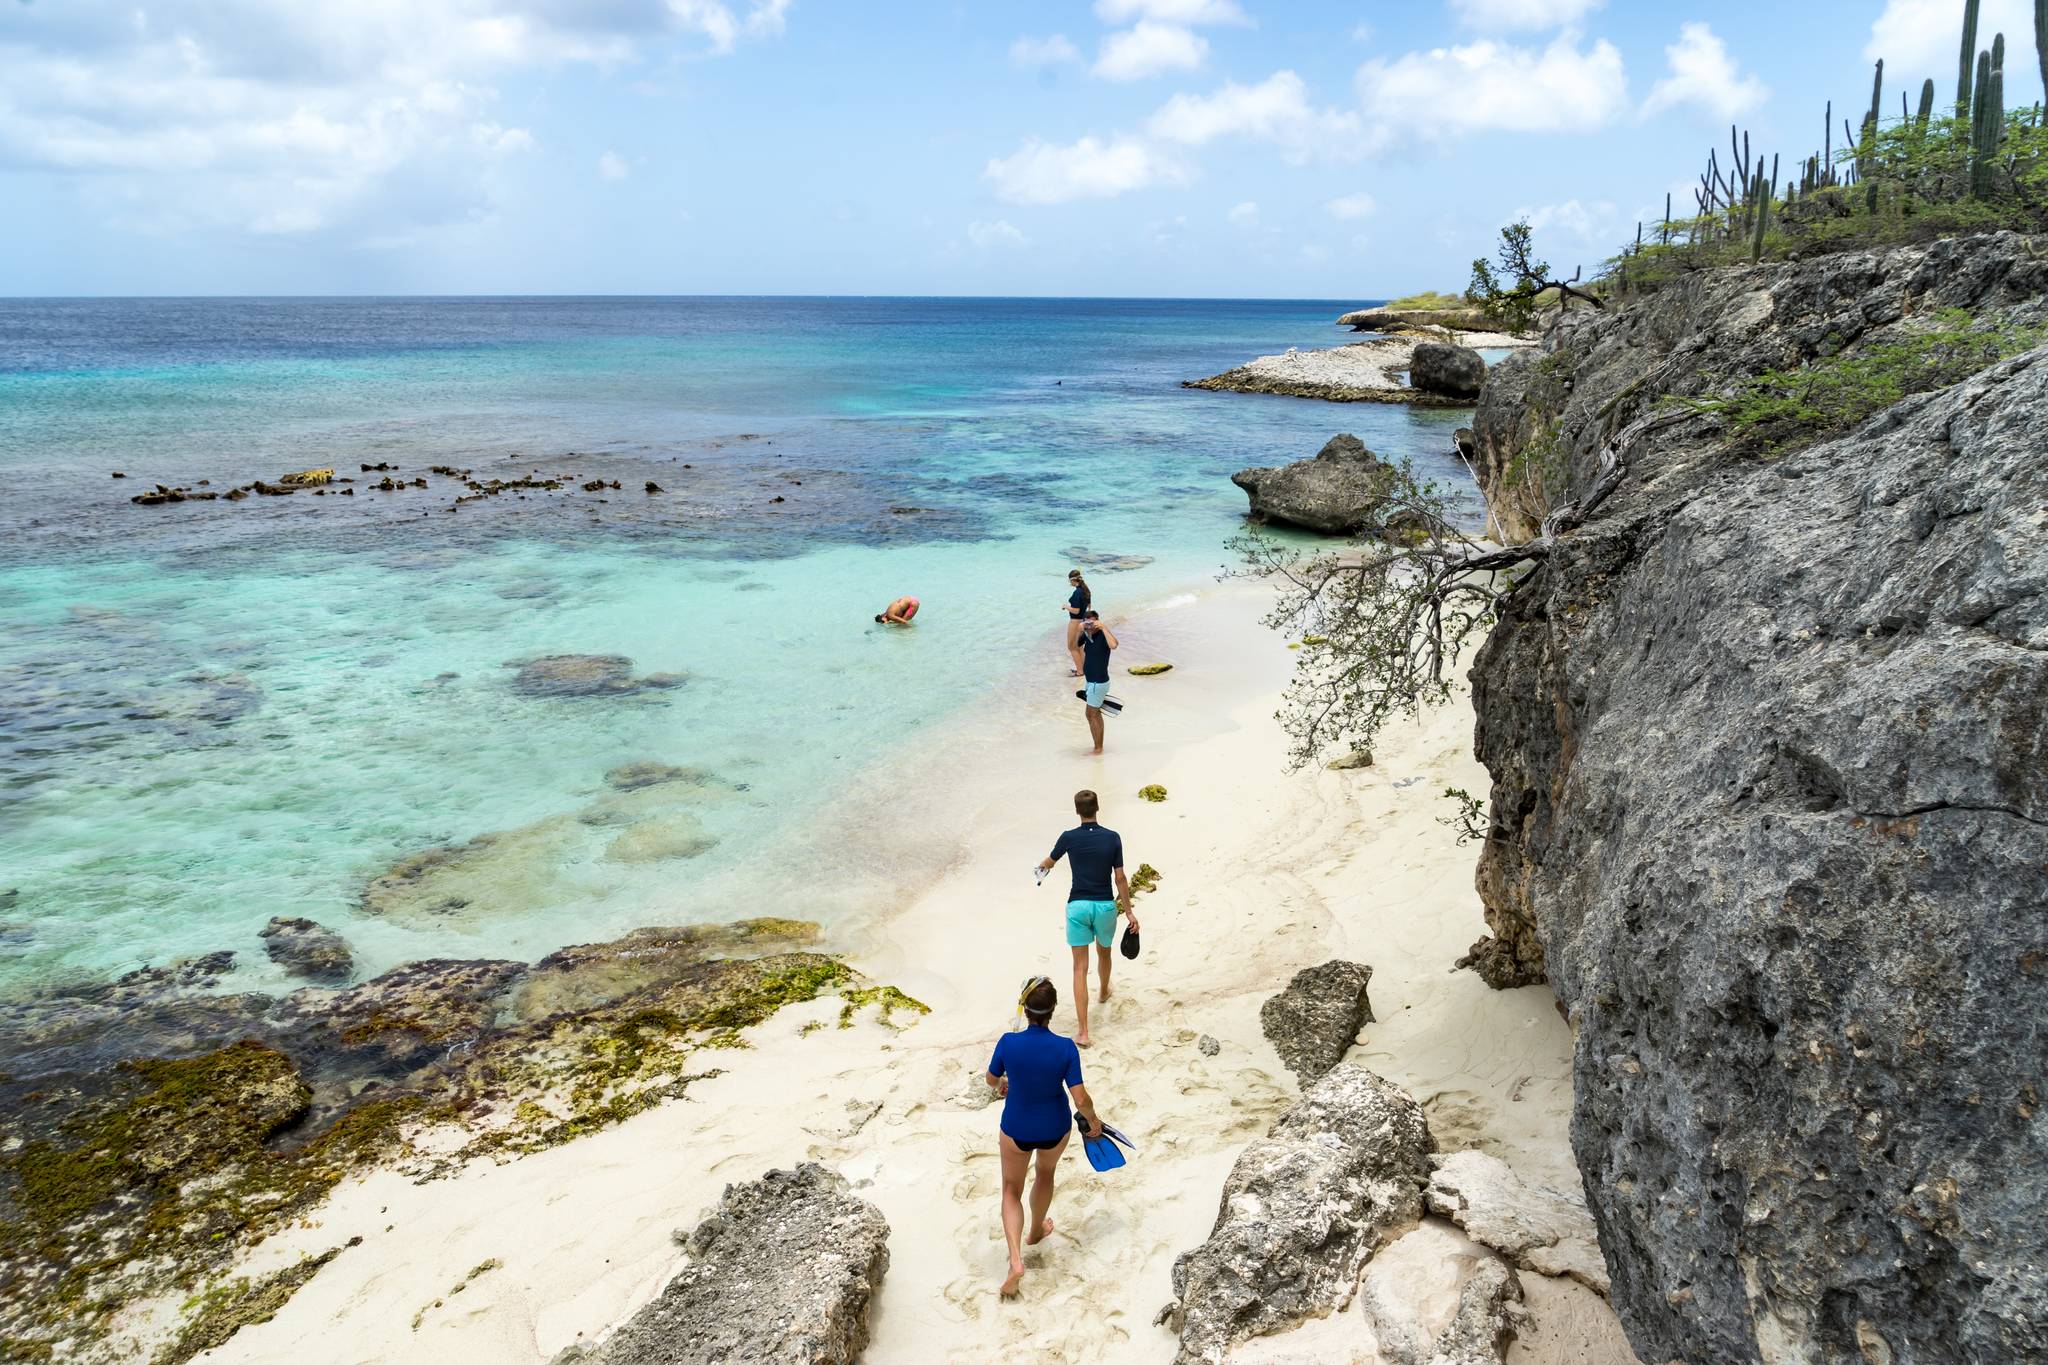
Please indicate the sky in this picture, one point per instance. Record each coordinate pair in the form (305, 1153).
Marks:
(1157, 148)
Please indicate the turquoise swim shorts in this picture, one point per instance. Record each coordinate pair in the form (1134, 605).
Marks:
(1091, 922)
(1096, 692)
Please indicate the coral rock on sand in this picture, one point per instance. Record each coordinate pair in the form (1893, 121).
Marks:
(1313, 1023)
(784, 1269)
(1304, 1208)
(1454, 371)
(1539, 1228)
(306, 949)
(675, 835)
(1149, 670)
(633, 776)
(1403, 1291)
(1334, 493)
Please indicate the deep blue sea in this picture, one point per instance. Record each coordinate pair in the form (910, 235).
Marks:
(216, 712)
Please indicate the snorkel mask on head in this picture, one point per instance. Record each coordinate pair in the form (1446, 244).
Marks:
(1024, 1013)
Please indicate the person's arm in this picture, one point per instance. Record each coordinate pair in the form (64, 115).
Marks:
(1059, 847)
(1087, 1107)
(997, 1081)
(895, 615)
(1107, 635)
(1123, 897)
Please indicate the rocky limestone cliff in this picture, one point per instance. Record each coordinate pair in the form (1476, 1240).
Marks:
(1771, 811)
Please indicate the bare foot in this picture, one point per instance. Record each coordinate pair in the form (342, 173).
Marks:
(1105, 993)
(1081, 1040)
(1009, 1286)
(1097, 751)
(1044, 1232)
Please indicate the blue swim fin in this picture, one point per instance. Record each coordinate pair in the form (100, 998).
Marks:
(1103, 1154)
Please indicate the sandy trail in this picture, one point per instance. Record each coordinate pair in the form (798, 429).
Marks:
(1264, 872)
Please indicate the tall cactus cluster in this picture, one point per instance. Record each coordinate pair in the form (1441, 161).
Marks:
(1904, 167)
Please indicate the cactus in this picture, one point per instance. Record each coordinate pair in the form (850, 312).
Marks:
(1968, 59)
(1927, 96)
(1984, 129)
(2041, 41)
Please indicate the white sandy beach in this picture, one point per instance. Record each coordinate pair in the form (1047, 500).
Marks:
(1263, 872)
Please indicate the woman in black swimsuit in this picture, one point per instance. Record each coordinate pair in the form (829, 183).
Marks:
(1077, 602)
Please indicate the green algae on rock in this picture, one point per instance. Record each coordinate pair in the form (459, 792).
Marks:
(1146, 878)
(139, 1178)
(1148, 670)
(1154, 793)
(220, 1312)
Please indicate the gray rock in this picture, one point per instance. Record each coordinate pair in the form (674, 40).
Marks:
(1769, 747)
(1348, 762)
(1536, 1227)
(1454, 371)
(308, 950)
(784, 1269)
(1313, 1023)
(1335, 493)
(1305, 1208)
(584, 675)
(1208, 1046)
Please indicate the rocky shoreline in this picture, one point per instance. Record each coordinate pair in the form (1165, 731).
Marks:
(1361, 372)
(158, 1126)
(1768, 804)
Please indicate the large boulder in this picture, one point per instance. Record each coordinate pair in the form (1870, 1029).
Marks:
(784, 1269)
(1453, 371)
(1335, 493)
(1336, 1177)
(309, 950)
(1313, 1023)
(1769, 748)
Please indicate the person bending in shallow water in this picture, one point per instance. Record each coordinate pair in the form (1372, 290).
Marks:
(1034, 1071)
(899, 613)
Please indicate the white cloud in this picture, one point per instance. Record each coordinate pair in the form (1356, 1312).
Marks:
(612, 166)
(1495, 16)
(1148, 49)
(1924, 36)
(1053, 51)
(374, 118)
(1247, 212)
(1351, 206)
(1587, 222)
(1045, 173)
(1276, 110)
(1171, 11)
(1704, 75)
(1493, 86)
(998, 233)
(716, 21)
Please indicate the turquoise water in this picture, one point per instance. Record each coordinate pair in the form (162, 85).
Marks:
(218, 712)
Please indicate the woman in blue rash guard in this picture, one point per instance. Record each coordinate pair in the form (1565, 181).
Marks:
(1034, 1070)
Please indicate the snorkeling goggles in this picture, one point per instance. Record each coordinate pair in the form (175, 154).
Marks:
(1031, 984)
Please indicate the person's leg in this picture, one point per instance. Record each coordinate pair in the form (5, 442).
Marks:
(1081, 995)
(1103, 957)
(1041, 1192)
(1095, 726)
(1074, 645)
(1016, 1161)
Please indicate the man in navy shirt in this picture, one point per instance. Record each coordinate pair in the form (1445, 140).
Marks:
(1096, 643)
(1096, 857)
